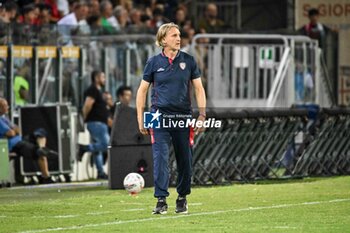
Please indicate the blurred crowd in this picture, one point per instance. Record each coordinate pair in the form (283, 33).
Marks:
(105, 17)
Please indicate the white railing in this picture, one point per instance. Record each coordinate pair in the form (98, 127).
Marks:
(246, 70)
(278, 96)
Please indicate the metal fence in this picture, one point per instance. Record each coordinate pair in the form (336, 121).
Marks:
(270, 144)
(61, 73)
(246, 70)
(329, 152)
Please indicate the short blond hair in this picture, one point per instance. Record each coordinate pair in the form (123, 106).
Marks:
(162, 31)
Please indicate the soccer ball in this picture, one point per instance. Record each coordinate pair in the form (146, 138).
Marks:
(134, 183)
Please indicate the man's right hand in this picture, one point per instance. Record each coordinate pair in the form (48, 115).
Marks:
(143, 130)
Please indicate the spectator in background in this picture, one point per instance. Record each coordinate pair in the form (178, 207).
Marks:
(71, 5)
(211, 23)
(168, 7)
(11, 9)
(77, 16)
(26, 33)
(135, 18)
(29, 14)
(45, 35)
(94, 8)
(45, 15)
(36, 13)
(35, 149)
(55, 14)
(181, 18)
(96, 117)
(21, 85)
(75, 22)
(94, 22)
(4, 16)
(4, 24)
(158, 18)
(94, 18)
(314, 29)
(122, 16)
(124, 95)
(146, 20)
(106, 9)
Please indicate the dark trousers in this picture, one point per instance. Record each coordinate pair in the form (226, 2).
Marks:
(182, 140)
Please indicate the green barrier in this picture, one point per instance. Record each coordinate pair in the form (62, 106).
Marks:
(4, 162)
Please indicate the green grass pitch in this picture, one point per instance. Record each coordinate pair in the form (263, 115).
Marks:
(308, 205)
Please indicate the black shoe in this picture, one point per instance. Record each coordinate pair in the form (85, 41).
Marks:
(46, 180)
(161, 207)
(82, 150)
(181, 205)
(102, 176)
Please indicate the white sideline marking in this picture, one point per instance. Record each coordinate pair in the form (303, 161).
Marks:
(284, 227)
(99, 213)
(65, 216)
(131, 203)
(73, 216)
(131, 210)
(183, 216)
(195, 204)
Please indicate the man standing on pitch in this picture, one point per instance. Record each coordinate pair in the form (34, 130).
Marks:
(95, 114)
(171, 73)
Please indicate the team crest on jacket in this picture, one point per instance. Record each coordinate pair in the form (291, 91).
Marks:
(182, 65)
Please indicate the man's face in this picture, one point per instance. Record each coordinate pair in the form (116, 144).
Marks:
(5, 16)
(212, 11)
(313, 19)
(109, 10)
(30, 16)
(13, 14)
(180, 16)
(94, 8)
(81, 12)
(172, 39)
(45, 16)
(126, 97)
(136, 16)
(101, 79)
(4, 108)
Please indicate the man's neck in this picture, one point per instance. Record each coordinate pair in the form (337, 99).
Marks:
(170, 53)
(98, 86)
